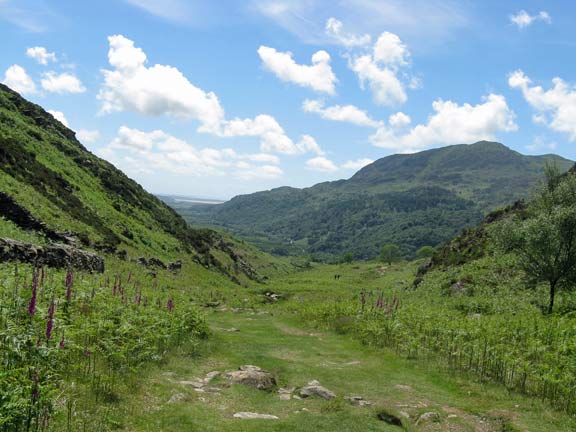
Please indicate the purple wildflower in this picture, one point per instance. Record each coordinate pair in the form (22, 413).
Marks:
(62, 342)
(32, 304)
(50, 323)
(170, 305)
(35, 387)
(69, 283)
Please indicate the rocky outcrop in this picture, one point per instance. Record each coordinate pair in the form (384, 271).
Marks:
(56, 255)
(158, 263)
(20, 216)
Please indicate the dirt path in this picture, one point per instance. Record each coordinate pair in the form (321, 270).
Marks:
(177, 399)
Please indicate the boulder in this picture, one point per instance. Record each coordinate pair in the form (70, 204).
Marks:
(252, 376)
(315, 389)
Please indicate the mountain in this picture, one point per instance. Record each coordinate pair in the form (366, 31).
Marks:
(412, 200)
(53, 186)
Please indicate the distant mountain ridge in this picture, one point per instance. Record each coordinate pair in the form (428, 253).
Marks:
(410, 199)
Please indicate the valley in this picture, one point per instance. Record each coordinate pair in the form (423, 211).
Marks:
(116, 314)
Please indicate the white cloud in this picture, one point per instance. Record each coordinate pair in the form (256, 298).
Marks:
(523, 19)
(272, 136)
(319, 76)
(18, 80)
(154, 91)
(41, 55)
(33, 17)
(157, 150)
(357, 164)
(322, 164)
(345, 113)
(334, 29)
(260, 172)
(556, 107)
(88, 136)
(61, 83)
(380, 69)
(173, 10)
(163, 90)
(541, 143)
(425, 22)
(59, 115)
(399, 120)
(308, 144)
(391, 51)
(452, 124)
(386, 88)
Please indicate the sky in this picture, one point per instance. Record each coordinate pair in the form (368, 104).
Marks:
(219, 98)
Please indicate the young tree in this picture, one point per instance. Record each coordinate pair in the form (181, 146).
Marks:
(425, 252)
(348, 258)
(545, 241)
(390, 253)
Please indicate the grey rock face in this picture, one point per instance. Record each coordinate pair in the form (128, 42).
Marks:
(59, 256)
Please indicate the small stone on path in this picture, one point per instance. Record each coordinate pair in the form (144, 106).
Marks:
(428, 417)
(358, 401)
(254, 416)
(315, 389)
(285, 393)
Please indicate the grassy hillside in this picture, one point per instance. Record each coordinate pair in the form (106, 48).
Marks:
(48, 172)
(411, 200)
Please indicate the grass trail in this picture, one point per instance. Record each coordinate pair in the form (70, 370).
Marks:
(276, 342)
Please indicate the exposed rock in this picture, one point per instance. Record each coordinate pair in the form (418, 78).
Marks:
(254, 416)
(19, 215)
(155, 262)
(428, 417)
(207, 390)
(315, 389)
(272, 297)
(358, 401)
(59, 256)
(391, 419)
(252, 376)
(458, 288)
(158, 263)
(196, 383)
(210, 376)
(285, 394)
(175, 266)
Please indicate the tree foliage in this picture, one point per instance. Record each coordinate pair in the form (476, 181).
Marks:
(390, 253)
(545, 241)
(425, 252)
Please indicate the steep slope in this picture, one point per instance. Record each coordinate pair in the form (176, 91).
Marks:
(412, 200)
(68, 194)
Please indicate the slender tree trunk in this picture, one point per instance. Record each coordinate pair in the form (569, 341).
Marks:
(552, 294)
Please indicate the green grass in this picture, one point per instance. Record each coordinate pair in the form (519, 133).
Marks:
(279, 341)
